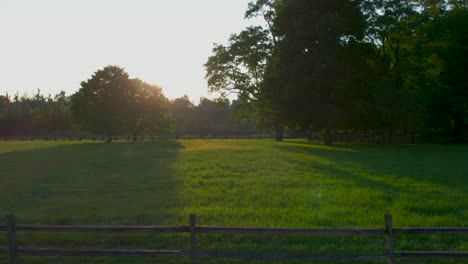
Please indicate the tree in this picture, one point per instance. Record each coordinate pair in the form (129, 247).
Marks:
(110, 102)
(5, 105)
(147, 109)
(100, 103)
(182, 110)
(442, 72)
(38, 115)
(317, 64)
(267, 10)
(381, 65)
(412, 40)
(391, 27)
(239, 67)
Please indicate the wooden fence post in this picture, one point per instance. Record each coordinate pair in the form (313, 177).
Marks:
(193, 238)
(12, 246)
(389, 239)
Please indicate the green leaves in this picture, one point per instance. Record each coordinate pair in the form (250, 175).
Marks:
(109, 102)
(314, 68)
(239, 66)
(351, 64)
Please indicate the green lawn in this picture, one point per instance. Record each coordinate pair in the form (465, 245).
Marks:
(232, 182)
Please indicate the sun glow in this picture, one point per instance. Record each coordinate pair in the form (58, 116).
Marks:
(57, 44)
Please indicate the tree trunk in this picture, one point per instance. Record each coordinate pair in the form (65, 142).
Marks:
(327, 140)
(279, 134)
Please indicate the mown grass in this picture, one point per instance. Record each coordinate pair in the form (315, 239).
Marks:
(236, 183)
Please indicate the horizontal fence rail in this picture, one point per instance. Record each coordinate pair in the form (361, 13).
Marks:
(291, 231)
(431, 231)
(390, 255)
(291, 256)
(100, 252)
(320, 232)
(430, 254)
(104, 229)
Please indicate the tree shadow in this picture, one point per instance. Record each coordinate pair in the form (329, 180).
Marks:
(91, 183)
(437, 164)
(122, 183)
(415, 182)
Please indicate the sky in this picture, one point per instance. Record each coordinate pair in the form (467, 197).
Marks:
(53, 45)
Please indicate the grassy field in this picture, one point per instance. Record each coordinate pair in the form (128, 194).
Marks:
(232, 182)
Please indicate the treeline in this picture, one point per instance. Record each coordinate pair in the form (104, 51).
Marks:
(210, 118)
(51, 116)
(325, 66)
(325, 69)
(37, 115)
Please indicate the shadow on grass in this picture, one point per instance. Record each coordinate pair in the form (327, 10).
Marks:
(418, 181)
(437, 164)
(90, 183)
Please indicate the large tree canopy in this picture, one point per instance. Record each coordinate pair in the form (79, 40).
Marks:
(109, 102)
(381, 65)
(318, 63)
(239, 66)
(100, 104)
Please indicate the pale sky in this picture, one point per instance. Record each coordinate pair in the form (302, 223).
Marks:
(55, 44)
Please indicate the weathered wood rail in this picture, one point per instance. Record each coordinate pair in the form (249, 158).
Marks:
(390, 255)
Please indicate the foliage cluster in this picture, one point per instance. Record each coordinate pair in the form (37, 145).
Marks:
(210, 118)
(37, 115)
(111, 103)
(327, 65)
(51, 116)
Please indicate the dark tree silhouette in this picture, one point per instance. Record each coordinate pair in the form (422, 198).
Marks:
(100, 104)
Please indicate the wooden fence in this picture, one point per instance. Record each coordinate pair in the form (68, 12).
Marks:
(390, 255)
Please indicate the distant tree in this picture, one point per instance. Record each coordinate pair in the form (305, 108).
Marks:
(37, 115)
(183, 112)
(4, 113)
(248, 119)
(211, 117)
(109, 102)
(147, 109)
(100, 104)
(60, 113)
